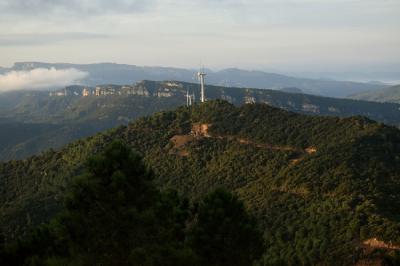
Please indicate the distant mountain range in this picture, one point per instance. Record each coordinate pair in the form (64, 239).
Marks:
(67, 115)
(378, 77)
(390, 94)
(291, 90)
(108, 73)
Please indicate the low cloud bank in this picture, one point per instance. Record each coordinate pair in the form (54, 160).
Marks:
(40, 79)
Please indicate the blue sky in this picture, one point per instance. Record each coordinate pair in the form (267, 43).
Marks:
(290, 35)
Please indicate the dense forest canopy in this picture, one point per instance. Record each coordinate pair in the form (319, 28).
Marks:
(320, 187)
(114, 215)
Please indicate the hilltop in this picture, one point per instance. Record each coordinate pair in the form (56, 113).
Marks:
(80, 111)
(323, 188)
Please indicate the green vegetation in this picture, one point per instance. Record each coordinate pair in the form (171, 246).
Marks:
(65, 119)
(318, 186)
(224, 234)
(39, 122)
(114, 215)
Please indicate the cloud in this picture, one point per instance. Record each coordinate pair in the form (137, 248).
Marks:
(40, 78)
(38, 39)
(73, 7)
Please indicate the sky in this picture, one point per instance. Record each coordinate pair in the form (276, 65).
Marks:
(289, 35)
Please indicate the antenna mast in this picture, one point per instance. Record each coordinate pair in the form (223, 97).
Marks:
(187, 98)
(201, 76)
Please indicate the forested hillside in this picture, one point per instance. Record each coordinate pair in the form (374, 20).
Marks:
(74, 116)
(114, 215)
(322, 188)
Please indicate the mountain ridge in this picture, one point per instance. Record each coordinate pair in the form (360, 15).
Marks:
(82, 116)
(106, 73)
(390, 94)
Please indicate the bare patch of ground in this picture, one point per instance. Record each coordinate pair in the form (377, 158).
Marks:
(371, 245)
(311, 150)
(376, 243)
(179, 142)
(200, 130)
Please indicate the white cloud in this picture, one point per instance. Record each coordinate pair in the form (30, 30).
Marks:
(40, 38)
(40, 78)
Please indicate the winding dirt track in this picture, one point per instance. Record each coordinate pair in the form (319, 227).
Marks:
(201, 131)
